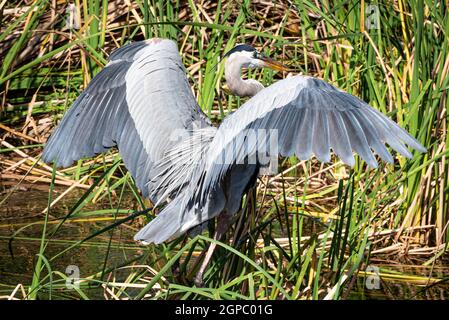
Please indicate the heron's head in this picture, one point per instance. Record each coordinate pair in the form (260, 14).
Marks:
(247, 56)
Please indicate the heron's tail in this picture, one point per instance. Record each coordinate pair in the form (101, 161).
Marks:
(175, 219)
(165, 226)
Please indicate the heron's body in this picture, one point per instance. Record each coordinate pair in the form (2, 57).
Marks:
(142, 103)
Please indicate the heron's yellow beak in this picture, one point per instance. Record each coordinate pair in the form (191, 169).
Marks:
(272, 64)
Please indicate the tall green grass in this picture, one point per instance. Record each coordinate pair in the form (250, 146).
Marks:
(307, 233)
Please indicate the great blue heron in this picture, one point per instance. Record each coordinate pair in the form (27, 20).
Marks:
(142, 97)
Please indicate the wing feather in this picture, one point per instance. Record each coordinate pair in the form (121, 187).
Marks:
(359, 142)
(304, 144)
(312, 117)
(386, 133)
(141, 95)
(372, 136)
(291, 129)
(320, 141)
(340, 138)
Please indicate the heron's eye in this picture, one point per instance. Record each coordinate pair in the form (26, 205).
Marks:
(256, 55)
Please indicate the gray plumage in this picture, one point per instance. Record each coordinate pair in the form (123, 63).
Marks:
(135, 103)
(142, 98)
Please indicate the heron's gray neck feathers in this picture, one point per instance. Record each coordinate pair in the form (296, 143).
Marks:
(237, 85)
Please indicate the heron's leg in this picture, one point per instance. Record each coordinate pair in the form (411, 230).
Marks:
(223, 222)
(176, 267)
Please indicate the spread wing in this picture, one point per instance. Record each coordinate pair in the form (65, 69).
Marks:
(136, 103)
(310, 117)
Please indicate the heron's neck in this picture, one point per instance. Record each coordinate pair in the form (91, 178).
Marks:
(238, 86)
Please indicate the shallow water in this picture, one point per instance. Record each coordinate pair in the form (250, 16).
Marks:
(22, 208)
(17, 257)
(406, 289)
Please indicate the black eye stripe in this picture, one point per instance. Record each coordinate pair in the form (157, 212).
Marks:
(239, 48)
